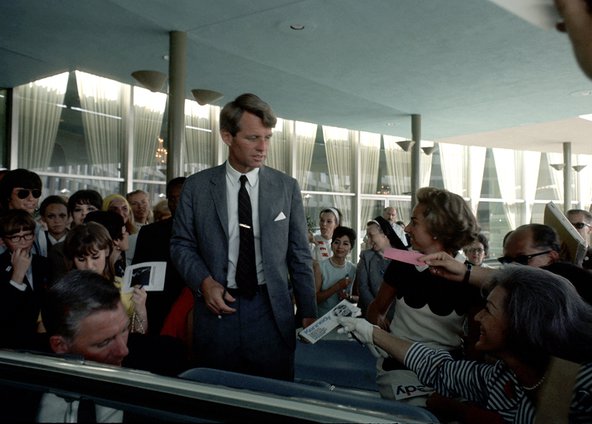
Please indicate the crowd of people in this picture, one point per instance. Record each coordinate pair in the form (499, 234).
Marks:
(241, 262)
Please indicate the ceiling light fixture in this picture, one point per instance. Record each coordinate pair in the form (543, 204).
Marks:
(152, 80)
(429, 150)
(297, 27)
(206, 97)
(405, 144)
(557, 166)
(578, 168)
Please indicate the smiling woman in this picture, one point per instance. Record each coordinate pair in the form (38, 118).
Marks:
(427, 308)
(531, 316)
(334, 277)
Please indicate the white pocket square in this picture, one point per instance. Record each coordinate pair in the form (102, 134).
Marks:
(280, 217)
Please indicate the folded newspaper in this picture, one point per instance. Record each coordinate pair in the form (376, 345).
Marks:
(328, 322)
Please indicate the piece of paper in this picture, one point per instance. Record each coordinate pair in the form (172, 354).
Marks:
(407, 256)
(541, 13)
(573, 245)
(328, 322)
(150, 275)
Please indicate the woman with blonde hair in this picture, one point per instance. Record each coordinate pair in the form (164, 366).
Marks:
(119, 204)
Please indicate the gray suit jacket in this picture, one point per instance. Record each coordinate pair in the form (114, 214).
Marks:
(199, 244)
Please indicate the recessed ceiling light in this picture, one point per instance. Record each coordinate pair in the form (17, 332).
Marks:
(297, 27)
(166, 57)
(390, 124)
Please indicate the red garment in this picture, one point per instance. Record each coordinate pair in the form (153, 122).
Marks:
(176, 324)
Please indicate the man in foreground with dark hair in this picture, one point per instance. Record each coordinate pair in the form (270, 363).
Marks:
(83, 315)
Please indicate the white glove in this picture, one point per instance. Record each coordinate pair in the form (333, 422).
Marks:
(359, 328)
(362, 331)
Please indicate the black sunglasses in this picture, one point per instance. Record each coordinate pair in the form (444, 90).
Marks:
(580, 225)
(521, 259)
(23, 193)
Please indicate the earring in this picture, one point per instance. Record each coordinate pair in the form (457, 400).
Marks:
(435, 238)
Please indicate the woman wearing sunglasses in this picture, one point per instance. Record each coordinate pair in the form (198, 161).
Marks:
(20, 189)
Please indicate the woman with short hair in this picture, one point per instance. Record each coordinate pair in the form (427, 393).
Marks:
(531, 316)
(427, 308)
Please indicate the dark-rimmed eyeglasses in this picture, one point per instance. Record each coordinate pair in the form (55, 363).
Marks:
(474, 250)
(521, 259)
(23, 193)
(17, 238)
(580, 225)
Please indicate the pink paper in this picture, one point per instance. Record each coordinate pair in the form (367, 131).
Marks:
(407, 256)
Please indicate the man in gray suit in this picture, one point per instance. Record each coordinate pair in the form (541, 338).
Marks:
(235, 329)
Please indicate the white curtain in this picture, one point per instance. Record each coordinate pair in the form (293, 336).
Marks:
(453, 159)
(368, 170)
(148, 112)
(505, 165)
(303, 142)
(398, 165)
(41, 104)
(476, 161)
(532, 162)
(277, 154)
(556, 176)
(584, 180)
(201, 135)
(339, 144)
(425, 170)
(462, 171)
(103, 102)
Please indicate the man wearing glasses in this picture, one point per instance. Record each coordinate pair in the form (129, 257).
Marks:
(538, 245)
(532, 244)
(582, 222)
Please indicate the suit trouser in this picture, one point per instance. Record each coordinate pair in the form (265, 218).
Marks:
(247, 341)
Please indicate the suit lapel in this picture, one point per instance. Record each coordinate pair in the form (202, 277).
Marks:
(267, 196)
(218, 194)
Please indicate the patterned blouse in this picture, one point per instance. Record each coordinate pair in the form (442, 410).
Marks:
(492, 386)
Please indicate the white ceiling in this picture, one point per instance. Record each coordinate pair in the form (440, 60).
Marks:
(476, 73)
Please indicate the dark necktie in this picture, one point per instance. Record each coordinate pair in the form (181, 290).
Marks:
(246, 269)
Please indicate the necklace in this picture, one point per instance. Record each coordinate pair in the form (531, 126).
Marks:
(536, 385)
(336, 265)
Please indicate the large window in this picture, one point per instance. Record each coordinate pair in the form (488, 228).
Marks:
(79, 130)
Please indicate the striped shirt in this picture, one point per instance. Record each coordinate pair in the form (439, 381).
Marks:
(492, 386)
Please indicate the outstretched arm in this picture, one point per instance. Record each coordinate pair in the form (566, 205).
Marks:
(370, 335)
(445, 266)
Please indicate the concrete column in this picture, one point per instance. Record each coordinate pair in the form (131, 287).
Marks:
(176, 118)
(567, 180)
(415, 156)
